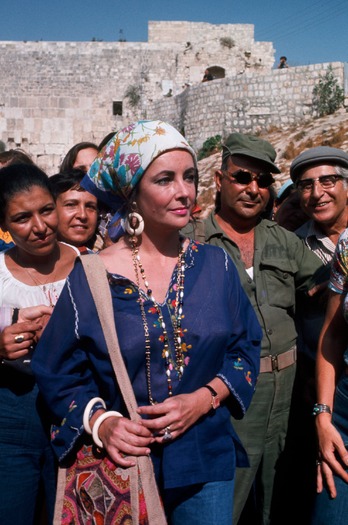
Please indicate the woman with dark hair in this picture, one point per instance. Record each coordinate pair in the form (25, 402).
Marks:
(12, 156)
(32, 274)
(77, 210)
(80, 156)
(188, 334)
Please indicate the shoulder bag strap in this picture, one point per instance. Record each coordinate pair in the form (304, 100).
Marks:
(97, 279)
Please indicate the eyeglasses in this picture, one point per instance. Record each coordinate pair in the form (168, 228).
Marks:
(264, 180)
(326, 182)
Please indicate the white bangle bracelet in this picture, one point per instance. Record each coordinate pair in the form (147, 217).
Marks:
(87, 412)
(98, 422)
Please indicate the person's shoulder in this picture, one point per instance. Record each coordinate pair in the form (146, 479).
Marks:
(276, 228)
(342, 243)
(303, 230)
(214, 256)
(69, 249)
(344, 236)
(195, 229)
(208, 250)
(281, 234)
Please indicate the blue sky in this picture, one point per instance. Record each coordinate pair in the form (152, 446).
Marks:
(305, 31)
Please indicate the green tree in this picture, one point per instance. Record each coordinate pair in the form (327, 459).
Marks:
(328, 96)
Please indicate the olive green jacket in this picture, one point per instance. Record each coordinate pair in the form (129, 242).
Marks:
(283, 266)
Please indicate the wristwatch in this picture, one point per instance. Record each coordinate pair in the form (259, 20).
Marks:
(215, 400)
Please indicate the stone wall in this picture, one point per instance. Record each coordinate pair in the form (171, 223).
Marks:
(249, 102)
(55, 94)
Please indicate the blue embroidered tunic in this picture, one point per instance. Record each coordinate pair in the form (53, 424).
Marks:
(221, 337)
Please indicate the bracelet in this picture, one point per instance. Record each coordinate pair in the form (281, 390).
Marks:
(215, 400)
(15, 315)
(320, 408)
(98, 422)
(88, 413)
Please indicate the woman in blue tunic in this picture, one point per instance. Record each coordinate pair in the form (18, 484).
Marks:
(187, 333)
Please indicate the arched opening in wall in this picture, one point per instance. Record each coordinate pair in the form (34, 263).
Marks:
(217, 71)
(117, 108)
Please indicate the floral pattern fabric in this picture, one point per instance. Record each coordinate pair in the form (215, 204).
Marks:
(122, 162)
(339, 270)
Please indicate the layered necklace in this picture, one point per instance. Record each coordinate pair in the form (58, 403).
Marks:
(48, 287)
(176, 364)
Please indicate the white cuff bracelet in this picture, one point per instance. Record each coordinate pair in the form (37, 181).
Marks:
(98, 422)
(87, 411)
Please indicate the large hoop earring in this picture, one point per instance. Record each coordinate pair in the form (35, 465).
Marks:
(134, 224)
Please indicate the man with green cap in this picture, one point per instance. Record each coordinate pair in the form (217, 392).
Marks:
(273, 264)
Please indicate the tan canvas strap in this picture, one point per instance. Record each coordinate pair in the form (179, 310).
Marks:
(278, 362)
(60, 492)
(97, 279)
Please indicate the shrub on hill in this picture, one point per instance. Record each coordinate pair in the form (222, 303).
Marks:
(328, 96)
(210, 146)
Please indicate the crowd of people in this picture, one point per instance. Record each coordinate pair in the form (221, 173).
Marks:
(232, 328)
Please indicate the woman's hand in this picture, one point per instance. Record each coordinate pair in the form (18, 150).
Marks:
(16, 339)
(123, 437)
(333, 455)
(40, 314)
(176, 414)
(34, 313)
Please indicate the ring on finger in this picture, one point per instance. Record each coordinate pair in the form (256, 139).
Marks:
(167, 435)
(19, 338)
(318, 462)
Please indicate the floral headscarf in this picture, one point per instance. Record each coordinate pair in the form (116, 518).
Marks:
(122, 162)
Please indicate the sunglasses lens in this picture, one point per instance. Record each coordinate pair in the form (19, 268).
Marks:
(265, 180)
(242, 177)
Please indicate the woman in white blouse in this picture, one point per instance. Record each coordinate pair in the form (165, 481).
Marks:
(32, 274)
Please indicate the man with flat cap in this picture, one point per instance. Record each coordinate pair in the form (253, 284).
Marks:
(273, 263)
(321, 177)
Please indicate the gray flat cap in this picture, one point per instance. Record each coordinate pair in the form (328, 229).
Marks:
(315, 157)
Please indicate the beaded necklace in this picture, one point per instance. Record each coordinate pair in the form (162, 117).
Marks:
(178, 363)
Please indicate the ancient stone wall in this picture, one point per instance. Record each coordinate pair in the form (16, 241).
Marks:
(249, 102)
(55, 94)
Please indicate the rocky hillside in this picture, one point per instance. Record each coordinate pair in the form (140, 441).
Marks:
(331, 130)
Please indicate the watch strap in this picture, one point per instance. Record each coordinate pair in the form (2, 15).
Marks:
(215, 401)
(211, 390)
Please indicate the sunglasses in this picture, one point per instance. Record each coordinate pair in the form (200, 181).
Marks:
(325, 181)
(264, 180)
